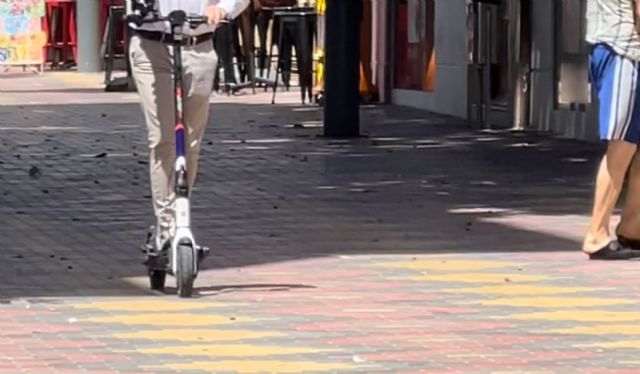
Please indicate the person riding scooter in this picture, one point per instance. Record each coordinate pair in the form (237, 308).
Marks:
(152, 70)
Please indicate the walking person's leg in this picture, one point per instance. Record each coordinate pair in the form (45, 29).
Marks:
(616, 80)
(629, 228)
(609, 184)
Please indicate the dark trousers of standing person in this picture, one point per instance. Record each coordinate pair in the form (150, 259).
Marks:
(263, 17)
(223, 44)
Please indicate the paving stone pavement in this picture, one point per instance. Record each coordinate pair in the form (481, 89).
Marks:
(423, 247)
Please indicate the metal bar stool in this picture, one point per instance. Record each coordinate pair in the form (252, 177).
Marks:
(115, 15)
(117, 39)
(246, 24)
(60, 27)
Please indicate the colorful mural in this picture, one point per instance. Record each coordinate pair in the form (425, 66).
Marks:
(21, 35)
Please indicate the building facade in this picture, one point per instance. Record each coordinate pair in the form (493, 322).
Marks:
(501, 64)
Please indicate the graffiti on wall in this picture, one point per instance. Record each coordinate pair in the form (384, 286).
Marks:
(21, 35)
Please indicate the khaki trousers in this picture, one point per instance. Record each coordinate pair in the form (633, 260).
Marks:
(152, 69)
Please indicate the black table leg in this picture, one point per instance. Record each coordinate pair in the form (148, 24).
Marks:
(279, 63)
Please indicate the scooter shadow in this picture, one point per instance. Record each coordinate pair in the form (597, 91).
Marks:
(204, 292)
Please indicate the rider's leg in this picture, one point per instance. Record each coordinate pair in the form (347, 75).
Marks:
(153, 73)
(199, 68)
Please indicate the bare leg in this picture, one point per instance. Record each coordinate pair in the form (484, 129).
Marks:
(630, 224)
(608, 187)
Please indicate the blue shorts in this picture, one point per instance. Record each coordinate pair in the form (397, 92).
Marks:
(615, 79)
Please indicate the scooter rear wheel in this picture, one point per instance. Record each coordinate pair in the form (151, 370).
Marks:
(157, 279)
(186, 274)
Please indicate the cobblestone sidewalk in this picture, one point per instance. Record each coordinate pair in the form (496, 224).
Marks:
(421, 247)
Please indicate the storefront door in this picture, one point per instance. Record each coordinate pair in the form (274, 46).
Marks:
(499, 63)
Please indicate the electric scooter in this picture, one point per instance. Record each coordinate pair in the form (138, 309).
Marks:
(180, 256)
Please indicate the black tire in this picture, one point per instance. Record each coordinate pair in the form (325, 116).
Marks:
(157, 279)
(186, 275)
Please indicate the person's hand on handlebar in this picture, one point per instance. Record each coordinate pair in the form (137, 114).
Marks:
(215, 14)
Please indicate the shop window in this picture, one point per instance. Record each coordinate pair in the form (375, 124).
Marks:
(415, 63)
(571, 55)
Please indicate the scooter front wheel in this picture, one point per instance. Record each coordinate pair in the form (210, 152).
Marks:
(186, 274)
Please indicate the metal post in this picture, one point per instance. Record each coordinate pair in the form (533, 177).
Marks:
(342, 96)
(381, 42)
(520, 63)
(88, 31)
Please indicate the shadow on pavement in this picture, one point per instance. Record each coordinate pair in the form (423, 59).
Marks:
(203, 292)
(76, 205)
(61, 91)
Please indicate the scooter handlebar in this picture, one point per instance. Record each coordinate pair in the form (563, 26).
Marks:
(193, 21)
(196, 21)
